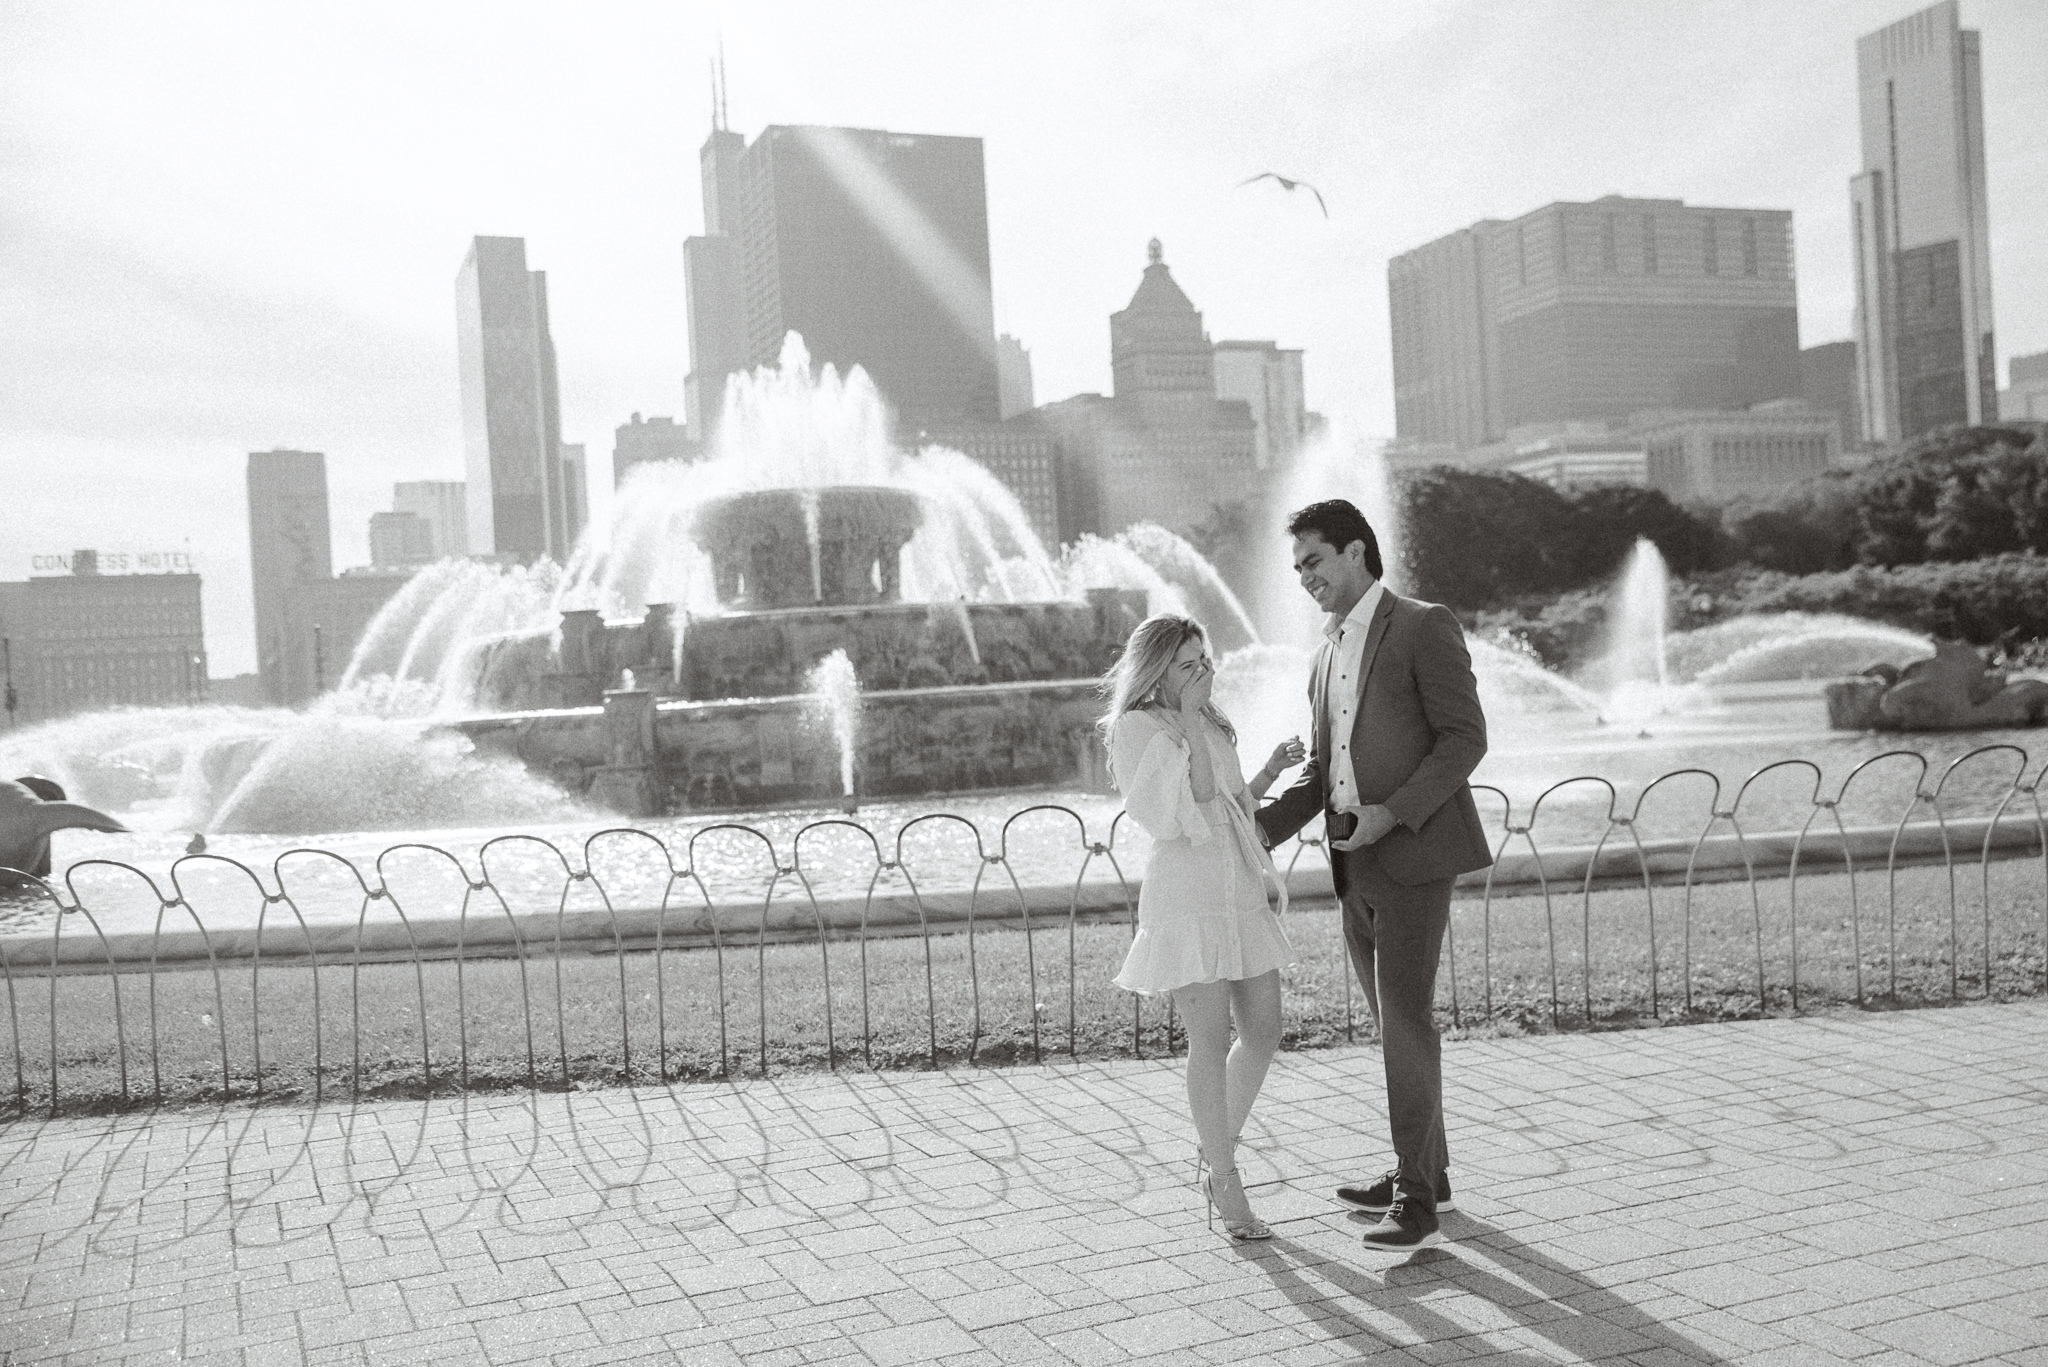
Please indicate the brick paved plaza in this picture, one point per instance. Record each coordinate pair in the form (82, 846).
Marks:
(1852, 1188)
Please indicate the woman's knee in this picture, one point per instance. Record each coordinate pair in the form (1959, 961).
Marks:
(1257, 1009)
(1261, 1031)
(1205, 1016)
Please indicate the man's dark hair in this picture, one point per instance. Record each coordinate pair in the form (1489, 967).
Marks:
(1340, 524)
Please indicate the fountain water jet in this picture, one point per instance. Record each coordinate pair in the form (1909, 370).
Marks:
(1338, 464)
(1640, 621)
(837, 690)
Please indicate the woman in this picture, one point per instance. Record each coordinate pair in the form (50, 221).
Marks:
(1206, 931)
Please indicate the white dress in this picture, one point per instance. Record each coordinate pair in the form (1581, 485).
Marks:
(1203, 913)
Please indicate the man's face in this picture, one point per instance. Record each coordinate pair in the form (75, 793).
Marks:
(1335, 579)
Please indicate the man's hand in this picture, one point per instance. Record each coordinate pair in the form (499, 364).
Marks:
(1374, 822)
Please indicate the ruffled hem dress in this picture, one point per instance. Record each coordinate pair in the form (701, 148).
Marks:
(1204, 914)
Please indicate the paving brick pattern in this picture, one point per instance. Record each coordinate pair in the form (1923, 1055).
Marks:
(1867, 1189)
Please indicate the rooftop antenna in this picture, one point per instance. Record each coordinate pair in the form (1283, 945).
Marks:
(719, 117)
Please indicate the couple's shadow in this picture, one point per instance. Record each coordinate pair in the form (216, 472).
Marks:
(1537, 1295)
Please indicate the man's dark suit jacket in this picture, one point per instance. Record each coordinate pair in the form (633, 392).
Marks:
(1417, 735)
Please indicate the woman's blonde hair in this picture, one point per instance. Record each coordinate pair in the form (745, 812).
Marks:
(1132, 683)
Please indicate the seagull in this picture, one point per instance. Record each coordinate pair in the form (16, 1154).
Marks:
(1287, 184)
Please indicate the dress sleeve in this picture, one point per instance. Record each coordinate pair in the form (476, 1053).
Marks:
(1151, 768)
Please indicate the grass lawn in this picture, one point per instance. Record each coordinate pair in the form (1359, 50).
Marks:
(583, 1020)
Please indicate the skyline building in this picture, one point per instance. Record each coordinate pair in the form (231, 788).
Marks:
(400, 541)
(1267, 376)
(308, 619)
(1016, 393)
(1759, 451)
(1827, 379)
(289, 544)
(654, 438)
(82, 641)
(1920, 217)
(713, 302)
(1022, 454)
(1580, 312)
(873, 245)
(575, 495)
(2027, 397)
(518, 502)
(427, 521)
(1163, 447)
(443, 504)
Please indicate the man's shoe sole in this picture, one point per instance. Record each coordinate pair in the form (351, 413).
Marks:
(1429, 1240)
(1381, 1208)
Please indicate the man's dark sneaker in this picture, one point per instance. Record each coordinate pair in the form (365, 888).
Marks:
(1407, 1226)
(1378, 1197)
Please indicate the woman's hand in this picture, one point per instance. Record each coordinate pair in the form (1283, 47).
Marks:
(1194, 694)
(1286, 755)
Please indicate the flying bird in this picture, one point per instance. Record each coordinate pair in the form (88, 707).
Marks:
(1287, 184)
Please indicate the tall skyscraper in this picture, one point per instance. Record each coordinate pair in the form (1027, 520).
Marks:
(711, 275)
(872, 245)
(575, 493)
(1591, 312)
(289, 546)
(511, 406)
(1923, 245)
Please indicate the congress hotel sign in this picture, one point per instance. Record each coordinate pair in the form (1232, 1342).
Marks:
(117, 562)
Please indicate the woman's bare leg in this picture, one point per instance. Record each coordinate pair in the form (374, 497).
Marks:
(1255, 1002)
(1205, 1011)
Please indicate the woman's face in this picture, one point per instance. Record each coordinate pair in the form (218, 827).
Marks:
(1188, 678)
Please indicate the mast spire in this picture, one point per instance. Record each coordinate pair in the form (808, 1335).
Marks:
(723, 119)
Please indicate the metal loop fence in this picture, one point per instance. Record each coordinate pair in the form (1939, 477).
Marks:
(721, 950)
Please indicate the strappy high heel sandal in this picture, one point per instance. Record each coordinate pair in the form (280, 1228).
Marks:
(1247, 1230)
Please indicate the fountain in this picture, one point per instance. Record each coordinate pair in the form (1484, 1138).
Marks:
(814, 555)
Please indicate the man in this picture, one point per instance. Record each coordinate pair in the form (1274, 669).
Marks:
(1398, 730)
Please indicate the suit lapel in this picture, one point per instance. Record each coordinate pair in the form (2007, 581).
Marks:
(1319, 699)
(1374, 634)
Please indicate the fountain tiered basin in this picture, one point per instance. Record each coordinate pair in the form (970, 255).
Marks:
(811, 682)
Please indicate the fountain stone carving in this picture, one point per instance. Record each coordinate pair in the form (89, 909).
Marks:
(1952, 690)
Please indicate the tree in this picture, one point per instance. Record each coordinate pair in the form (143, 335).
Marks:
(1808, 528)
(1479, 537)
(1956, 494)
(1612, 517)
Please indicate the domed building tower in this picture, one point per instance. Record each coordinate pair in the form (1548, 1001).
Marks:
(1158, 353)
(1162, 448)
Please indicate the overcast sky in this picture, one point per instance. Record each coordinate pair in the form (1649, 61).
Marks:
(232, 227)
